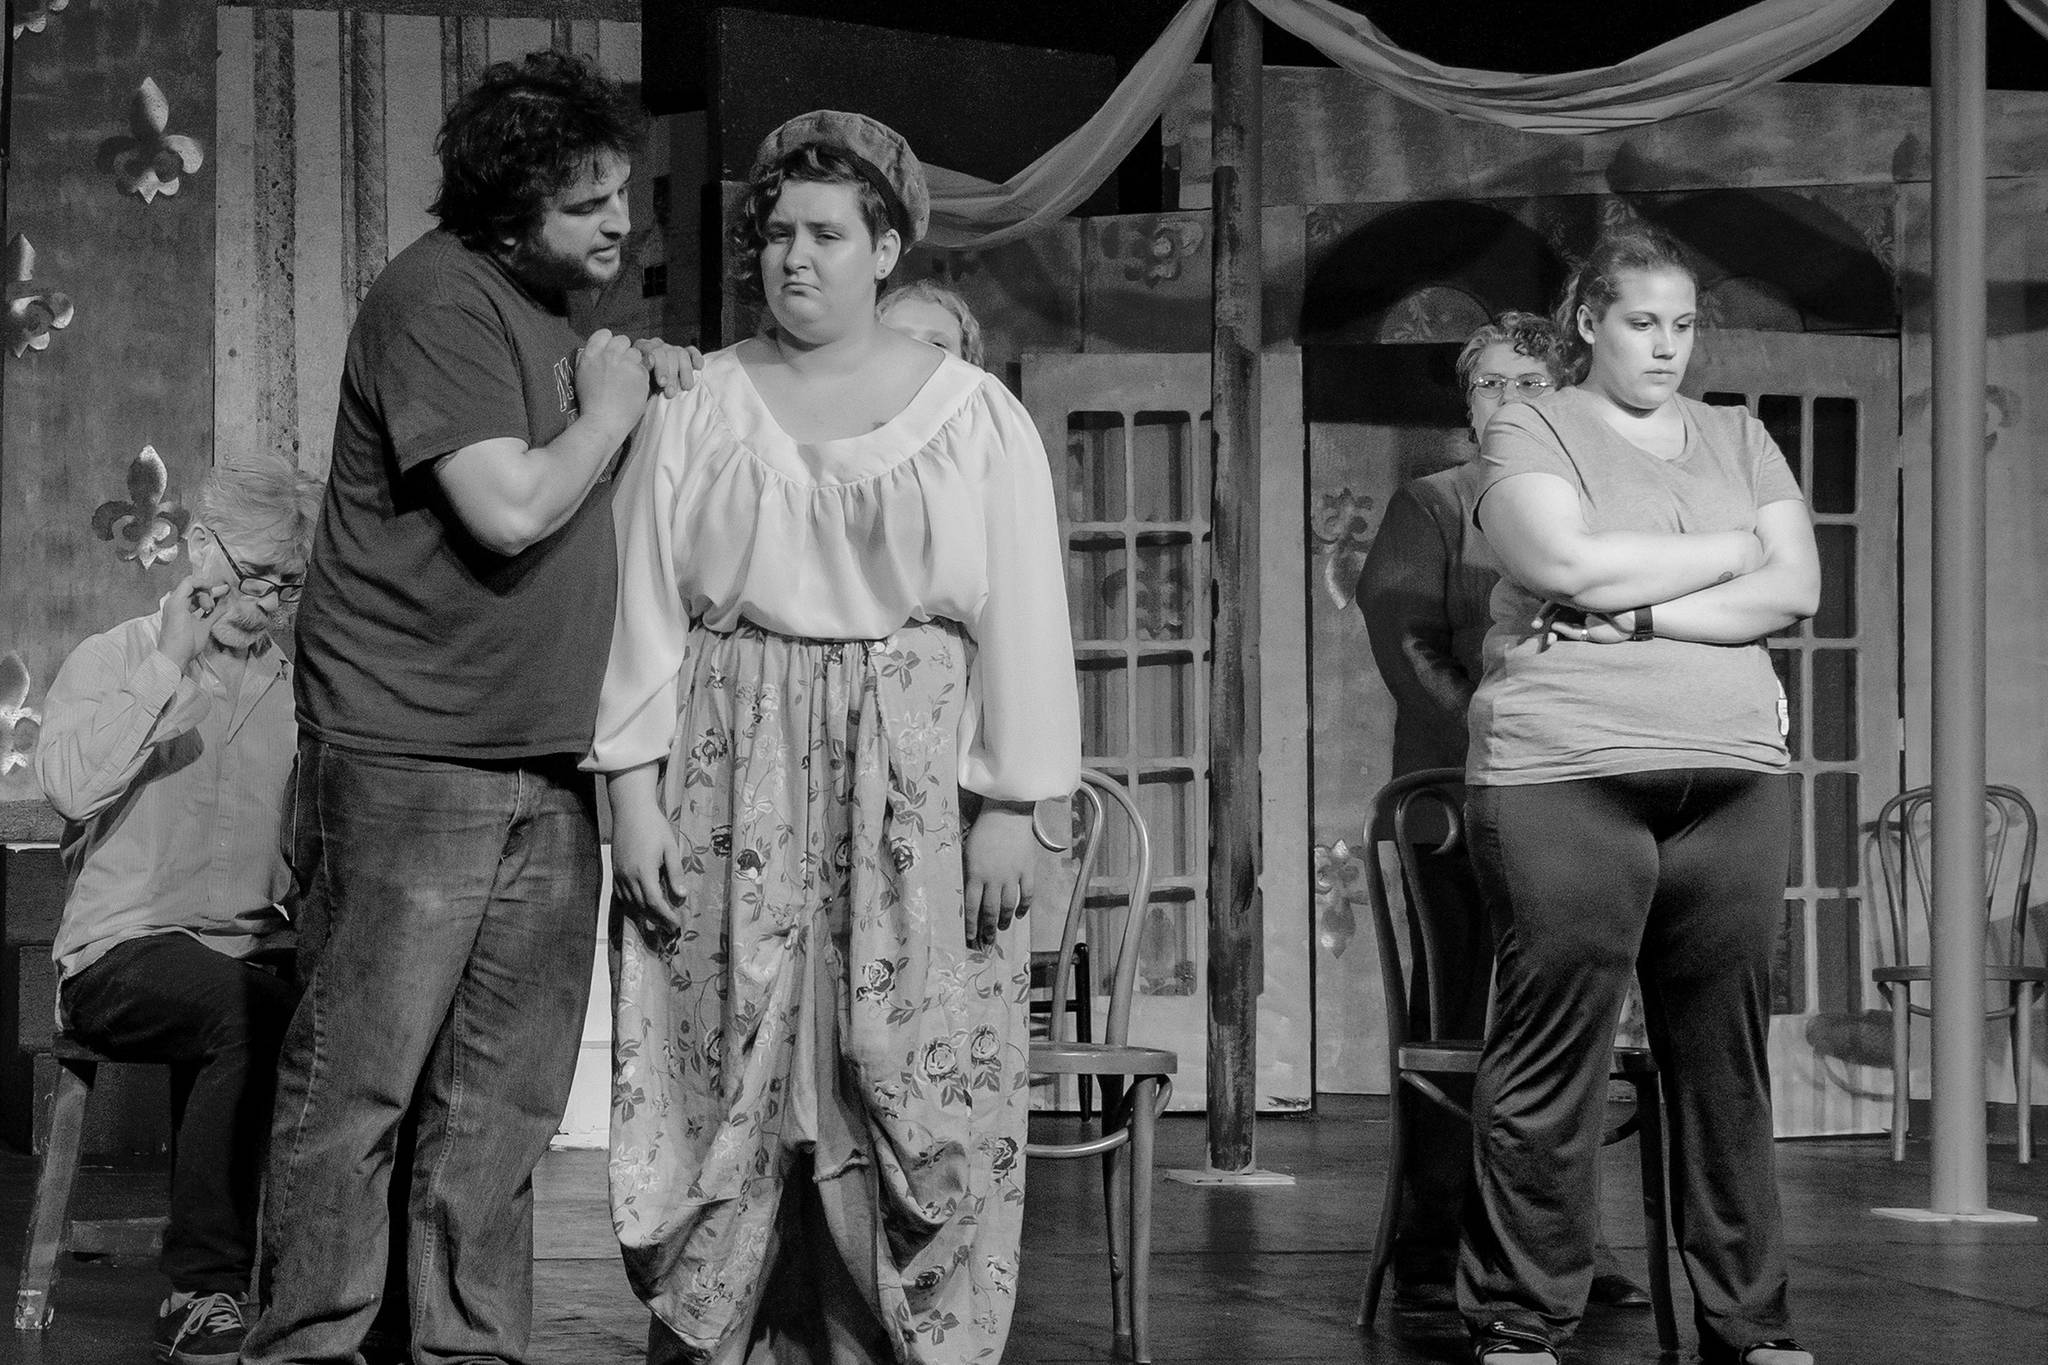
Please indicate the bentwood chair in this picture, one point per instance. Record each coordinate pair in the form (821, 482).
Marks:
(1417, 817)
(1134, 1082)
(1904, 834)
(1078, 1007)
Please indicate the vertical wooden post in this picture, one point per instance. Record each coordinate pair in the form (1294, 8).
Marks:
(1959, 628)
(1235, 968)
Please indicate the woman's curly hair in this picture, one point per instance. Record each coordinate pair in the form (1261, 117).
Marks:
(928, 291)
(820, 164)
(1597, 283)
(523, 135)
(1530, 334)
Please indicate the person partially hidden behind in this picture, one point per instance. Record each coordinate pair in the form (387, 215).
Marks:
(1424, 593)
(929, 312)
(167, 745)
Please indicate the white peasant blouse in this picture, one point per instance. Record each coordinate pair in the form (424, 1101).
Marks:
(943, 512)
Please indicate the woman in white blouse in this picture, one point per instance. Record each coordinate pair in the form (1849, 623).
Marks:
(840, 602)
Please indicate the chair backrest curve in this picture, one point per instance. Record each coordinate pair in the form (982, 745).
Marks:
(1397, 810)
(1097, 796)
(1902, 834)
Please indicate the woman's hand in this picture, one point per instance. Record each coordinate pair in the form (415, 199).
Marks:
(672, 369)
(1002, 869)
(646, 855)
(1587, 627)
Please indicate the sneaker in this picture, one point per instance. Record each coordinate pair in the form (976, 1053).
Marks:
(207, 1330)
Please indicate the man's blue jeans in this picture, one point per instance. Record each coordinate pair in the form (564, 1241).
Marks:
(445, 933)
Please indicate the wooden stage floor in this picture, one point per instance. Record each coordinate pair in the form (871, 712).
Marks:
(1257, 1275)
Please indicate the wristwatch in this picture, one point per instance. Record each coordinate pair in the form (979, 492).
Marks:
(1645, 629)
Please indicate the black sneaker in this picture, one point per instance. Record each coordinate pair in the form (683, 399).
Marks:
(208, 1330)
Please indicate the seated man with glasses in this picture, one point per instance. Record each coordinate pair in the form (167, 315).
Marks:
(167, 745)
(1425, 593)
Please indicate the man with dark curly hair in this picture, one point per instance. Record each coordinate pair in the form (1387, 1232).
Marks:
(457, 614)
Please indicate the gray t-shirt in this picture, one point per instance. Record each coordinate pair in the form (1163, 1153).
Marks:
(415, 639)
(1558, 710)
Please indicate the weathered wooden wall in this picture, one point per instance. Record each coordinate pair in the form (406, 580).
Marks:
(123, 229)
(327, 168)
(107, 352)
(2016, 528)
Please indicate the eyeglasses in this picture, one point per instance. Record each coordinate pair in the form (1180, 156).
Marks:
(254, 585)
(1493, 386)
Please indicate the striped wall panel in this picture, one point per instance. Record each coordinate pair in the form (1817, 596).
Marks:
(326, 168)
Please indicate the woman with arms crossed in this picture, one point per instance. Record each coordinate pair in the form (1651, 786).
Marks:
(1629, 810)
(840, 602)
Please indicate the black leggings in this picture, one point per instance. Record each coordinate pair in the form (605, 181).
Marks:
(1678, 876)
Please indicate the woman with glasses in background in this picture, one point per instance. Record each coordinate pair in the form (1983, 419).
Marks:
(1429, 575)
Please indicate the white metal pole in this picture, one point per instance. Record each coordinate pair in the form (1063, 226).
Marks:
(1957, 932)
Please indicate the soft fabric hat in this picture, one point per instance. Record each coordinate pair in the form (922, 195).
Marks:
(878, 151)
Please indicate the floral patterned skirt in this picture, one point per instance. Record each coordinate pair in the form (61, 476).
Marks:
(821, 1001)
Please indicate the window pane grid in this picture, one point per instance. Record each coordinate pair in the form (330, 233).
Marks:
(1138, 584)
(1820, 436)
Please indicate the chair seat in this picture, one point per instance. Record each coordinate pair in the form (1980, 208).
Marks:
(1453, 1055)
(1993, 971)
(1461, 1055)
(1102, 1059)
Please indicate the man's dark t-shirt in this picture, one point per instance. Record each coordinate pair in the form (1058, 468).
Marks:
(413, 638)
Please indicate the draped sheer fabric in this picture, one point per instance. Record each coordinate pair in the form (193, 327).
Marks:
(1699, 70)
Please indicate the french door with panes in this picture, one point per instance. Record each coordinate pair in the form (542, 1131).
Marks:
(1832, 405)
(1129, 441)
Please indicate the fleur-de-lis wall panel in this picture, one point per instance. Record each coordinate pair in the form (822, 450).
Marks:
(33, 312)
(33, 16)
(19, 722)
(110, 285)
(146, 525)
(198, 195)
(150, 159)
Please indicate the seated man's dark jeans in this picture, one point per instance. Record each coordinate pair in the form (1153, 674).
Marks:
(217, 1021)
